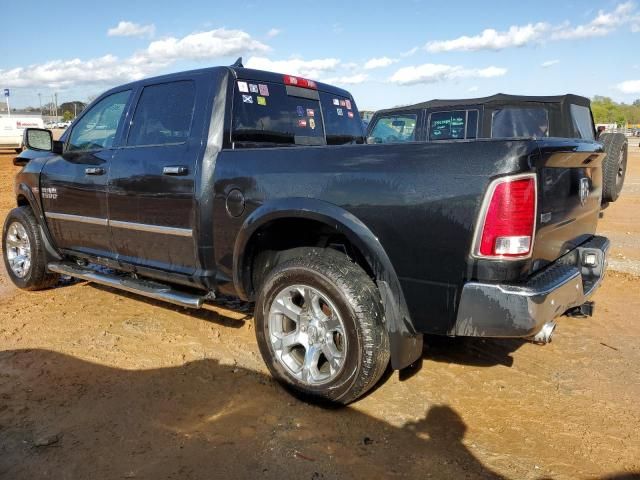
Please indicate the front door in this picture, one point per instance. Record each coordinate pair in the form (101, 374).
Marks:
(151, 181)
(73, 185)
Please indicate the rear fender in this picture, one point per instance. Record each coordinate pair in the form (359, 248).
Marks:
(406, 344)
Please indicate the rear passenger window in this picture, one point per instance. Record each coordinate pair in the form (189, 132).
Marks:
(394, 129)
(453, 125)
(265, 116)
(163, 115)
(582, 122)
(520, 122)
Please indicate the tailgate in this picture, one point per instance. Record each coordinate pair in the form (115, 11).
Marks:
(570, 192)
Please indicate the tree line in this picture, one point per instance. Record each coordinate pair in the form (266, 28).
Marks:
(605, 110)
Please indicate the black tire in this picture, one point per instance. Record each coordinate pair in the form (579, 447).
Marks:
(614, 166)
(36, 276)
(357, 302)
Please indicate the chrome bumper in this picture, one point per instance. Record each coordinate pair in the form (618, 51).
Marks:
(492, 310)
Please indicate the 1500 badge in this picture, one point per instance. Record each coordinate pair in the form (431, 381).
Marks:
(49, 192)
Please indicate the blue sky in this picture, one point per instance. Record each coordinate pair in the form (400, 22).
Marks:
(385, 52)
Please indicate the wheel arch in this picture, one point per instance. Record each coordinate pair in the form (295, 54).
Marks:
(26, 198)
(405, 342)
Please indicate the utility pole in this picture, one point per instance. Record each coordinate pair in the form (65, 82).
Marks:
(40, 100)
(56, 102)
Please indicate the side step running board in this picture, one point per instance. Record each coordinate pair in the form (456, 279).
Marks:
(146, 288)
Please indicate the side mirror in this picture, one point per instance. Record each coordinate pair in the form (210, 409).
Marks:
(38, 139)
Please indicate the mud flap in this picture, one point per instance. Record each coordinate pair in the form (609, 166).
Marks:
(404, 342)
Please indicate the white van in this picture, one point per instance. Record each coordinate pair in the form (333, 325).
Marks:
(12, 129)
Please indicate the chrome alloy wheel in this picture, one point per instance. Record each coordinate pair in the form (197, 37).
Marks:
(18, 249)
(307, 334)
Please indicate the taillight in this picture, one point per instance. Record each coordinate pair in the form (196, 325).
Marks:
(509, 219)
(300, 82)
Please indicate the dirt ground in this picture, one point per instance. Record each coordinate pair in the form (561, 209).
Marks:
(97, 384)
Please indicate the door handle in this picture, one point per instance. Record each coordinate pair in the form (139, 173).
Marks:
(94, 171)
(175, 170)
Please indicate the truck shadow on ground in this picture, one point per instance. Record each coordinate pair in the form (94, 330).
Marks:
(478, 352)
(68, 418)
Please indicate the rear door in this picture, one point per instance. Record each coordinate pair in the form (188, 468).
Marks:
(73, 186)
(151, 182)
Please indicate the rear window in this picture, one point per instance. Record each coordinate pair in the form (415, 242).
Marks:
(453, 125)
(520, 122)
(341, 120)
(581, 117)
(265, 116)
(394, 129)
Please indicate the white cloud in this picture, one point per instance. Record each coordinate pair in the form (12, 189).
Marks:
(520, 35)
(205, 45)
(111, 70)
(473, 89)
(274, 32)
(602, 25)
(380, 62)
(629, 86)
(348, 80)
(410, 52)
(490, 39)
(549, 63)
(130, 29)
(433, 73)
(107, 69)
(313, 69)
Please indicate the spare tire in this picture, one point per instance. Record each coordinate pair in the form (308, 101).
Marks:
(614, 166)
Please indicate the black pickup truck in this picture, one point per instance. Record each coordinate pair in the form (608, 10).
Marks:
(231, 181)
(504, 116)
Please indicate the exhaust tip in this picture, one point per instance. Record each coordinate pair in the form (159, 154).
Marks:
(545, 334)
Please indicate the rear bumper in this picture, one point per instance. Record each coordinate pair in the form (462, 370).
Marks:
(492, 310)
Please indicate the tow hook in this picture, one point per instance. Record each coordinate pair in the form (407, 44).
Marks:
(582, 311)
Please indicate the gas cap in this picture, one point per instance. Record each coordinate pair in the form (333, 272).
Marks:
(235, 203)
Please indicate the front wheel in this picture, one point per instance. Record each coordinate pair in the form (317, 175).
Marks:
(23, 249)
(319, 326)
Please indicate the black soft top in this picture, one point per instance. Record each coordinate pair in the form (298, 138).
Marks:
(495, 100)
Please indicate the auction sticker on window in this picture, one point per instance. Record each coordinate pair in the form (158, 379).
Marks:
(264, 89)
(302, 123)
(247, 98)
(243, 87)
(261, 100)
(253, 88)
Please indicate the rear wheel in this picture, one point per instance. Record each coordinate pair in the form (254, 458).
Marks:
(614, 166)
(319, 326)
(23, 250)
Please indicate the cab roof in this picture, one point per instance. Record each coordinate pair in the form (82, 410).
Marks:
(237, 72)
